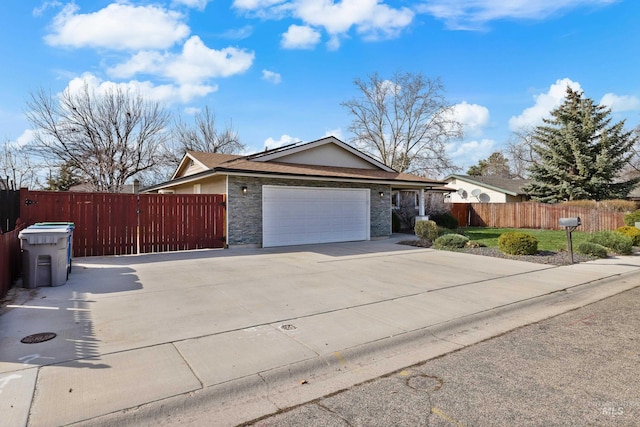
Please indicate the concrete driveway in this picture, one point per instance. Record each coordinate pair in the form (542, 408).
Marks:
(164, 326)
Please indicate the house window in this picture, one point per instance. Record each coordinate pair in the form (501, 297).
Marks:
(404, 198)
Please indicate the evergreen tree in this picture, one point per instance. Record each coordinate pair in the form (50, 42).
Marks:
(66, 178)
(581, 154)
(495, 165)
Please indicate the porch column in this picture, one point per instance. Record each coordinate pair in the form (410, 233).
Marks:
(421, 203)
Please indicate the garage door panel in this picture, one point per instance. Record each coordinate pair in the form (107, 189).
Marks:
(303, 215)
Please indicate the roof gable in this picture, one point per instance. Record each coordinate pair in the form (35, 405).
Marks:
(329, 151)
(195, 162)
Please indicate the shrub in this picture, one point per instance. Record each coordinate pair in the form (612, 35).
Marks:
(632, 217)
(518, 243)
(587, 204)
(617, 205)
(396, 223)
(617, 242)
(632, 232)
(426, 230)
(450, 241)
(445, 220)
(593, 249)
(614, 205)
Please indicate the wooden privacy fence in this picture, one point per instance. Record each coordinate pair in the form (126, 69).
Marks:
(10, 261)
(9, 209)
(120, 224)
(533, 215)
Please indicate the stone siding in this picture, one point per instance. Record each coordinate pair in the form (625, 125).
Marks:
(244, 211)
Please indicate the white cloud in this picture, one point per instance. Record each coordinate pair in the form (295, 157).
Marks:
(238, 33)
(371, 19)
(255, 4)
(194, 65)
(300, 37)
(469, 153)
(167, 93)
(474, 14)
(192, 110)
(119, 26)
(38, 11)
(198, 62)
(270, 143)
(335, 133)
(271, 77)
(25, 138)
(544, 104)
(145, 61)
(620, 103)
(196, 4)
(473, 117)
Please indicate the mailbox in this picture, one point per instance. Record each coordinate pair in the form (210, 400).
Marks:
(569, 222)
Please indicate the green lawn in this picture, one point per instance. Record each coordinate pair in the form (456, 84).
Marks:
(548, 240)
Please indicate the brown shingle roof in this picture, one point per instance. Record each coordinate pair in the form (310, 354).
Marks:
(243, 165)
(211, 160)
(237, 163)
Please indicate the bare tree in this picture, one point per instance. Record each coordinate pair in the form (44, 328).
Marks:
(109, 137)
(521, 153)
(404, 122)
(204, 136)
(17, 168)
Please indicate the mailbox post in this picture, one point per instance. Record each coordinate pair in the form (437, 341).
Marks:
(570, 224)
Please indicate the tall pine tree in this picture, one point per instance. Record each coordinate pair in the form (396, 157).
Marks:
(581, 154)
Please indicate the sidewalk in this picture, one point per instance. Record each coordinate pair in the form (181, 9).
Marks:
(250, 331)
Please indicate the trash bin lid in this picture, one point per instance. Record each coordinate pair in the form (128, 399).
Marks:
(44, 235)
(55, 224)
(52, 225)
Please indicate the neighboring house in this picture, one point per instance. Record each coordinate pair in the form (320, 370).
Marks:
(634, 194)
(90, 188)
(316, 192)
(486, 189)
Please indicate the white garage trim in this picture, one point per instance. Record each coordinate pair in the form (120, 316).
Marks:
(306, 215)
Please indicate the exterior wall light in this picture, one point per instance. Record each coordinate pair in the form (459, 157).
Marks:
(381, 194)
(244, 189)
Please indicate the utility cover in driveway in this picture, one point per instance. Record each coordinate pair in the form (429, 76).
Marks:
(306, 215)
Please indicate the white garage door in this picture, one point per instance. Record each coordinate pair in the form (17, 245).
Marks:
(304, 215)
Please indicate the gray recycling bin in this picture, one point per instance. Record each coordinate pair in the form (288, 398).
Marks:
(45, 255)
(72, 226)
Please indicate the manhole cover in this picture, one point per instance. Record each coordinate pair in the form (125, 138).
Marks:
(287, 327)
(36, 338)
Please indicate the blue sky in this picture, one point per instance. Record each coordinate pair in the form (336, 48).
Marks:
(279, 69)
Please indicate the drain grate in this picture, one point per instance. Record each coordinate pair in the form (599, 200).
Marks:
(287, 327)
(37, 338)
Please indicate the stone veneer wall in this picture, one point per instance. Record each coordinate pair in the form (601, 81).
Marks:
(244, 212)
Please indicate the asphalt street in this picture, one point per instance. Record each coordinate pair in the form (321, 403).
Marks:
(578, 368)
